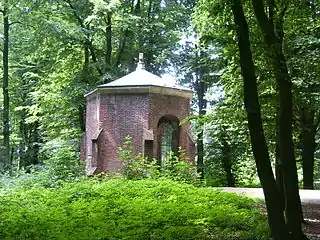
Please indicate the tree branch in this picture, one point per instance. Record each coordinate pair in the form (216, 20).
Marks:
(17, 22)
(87, 42)
(263, 21)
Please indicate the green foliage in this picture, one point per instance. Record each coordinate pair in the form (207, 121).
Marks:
(213, 22)
(62, 164)
(124, 209)
(228, 146)
(135, 166)
(179, 168)
(63, 160)
(59, 51)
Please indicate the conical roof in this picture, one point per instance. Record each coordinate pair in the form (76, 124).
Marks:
(141, 77)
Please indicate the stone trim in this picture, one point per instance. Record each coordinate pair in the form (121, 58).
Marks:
(96, 135)
(148, 134)
(140, 90)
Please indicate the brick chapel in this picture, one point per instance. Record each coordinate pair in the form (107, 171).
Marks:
(143, 106)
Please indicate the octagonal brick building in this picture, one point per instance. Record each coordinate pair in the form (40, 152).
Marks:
(143, 106)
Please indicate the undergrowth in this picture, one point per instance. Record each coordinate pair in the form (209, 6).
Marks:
(127, 209)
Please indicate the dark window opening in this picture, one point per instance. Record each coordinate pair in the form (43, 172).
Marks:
(94, 153)
(148, 149)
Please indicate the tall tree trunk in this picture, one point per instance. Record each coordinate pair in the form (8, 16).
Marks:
(108, 52)
(5, 88)
(290, 177)
(108, 39)
(258, 141)
(279, 178)
(30, 144)
(308, 147)
(278, 168)
(138, 7)
(227, 162)
(29, 134)
(286, 148)
(201, 88)
(121, 48)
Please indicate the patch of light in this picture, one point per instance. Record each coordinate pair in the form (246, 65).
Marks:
(312, 220)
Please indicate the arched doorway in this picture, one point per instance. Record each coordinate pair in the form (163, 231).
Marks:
(168, 138)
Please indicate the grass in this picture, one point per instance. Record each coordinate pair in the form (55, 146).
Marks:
(124, 209)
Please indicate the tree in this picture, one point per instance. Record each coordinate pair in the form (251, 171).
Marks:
(192, 69)
(274, 42)
(62, 49)
(258, 142)
(270, 30)
(302, 52)
(5, 87)
(229, 160)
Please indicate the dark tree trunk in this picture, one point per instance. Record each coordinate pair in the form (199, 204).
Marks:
(29, 146)
(108, 40)
(108, 53)
(286, 148)
(290, 177)
(227, 163)
(138, 7)
(30, 137)
(258, 141)
(36, 141)
(201, 88)
(308, 147)
(93, 55)
(278, 170)
(121, 48)
(5, 88)
(200, 154)
(279, 177)
(86, 57)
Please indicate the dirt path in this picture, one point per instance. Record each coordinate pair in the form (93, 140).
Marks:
(310, 202)
(312, 217)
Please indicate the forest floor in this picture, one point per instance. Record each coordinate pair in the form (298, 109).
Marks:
(310, 202)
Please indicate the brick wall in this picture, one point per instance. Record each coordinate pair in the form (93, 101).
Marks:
(120, 116)
(167, 105)
(92, 123)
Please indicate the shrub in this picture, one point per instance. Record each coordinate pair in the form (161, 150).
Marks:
(135, 166)
(126, 209)
(61, 164)
(178, 168)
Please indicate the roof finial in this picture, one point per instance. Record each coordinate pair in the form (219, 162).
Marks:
(141, 64)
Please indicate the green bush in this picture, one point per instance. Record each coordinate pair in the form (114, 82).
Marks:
(61, 163)
(126, 209)
(137, 167)
(179, 169)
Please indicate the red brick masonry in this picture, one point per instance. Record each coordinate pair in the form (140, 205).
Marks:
(114, 114)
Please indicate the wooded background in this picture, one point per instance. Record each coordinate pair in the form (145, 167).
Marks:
(55, 51)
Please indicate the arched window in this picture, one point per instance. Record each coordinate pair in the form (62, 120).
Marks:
(166, 141)
(168, 128)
